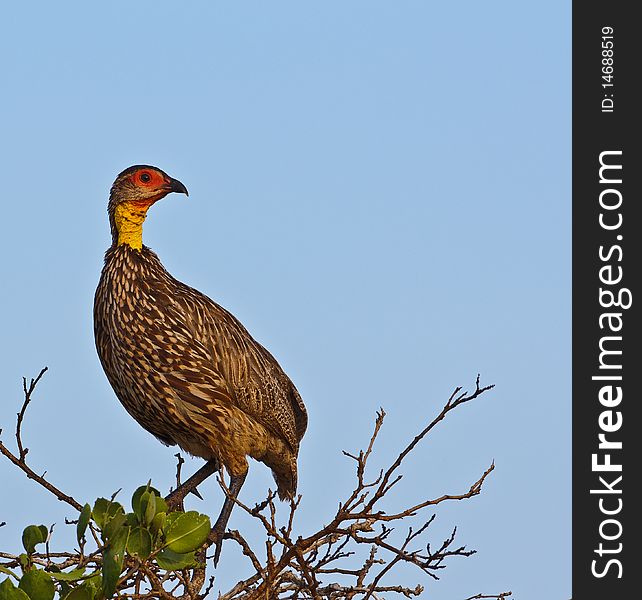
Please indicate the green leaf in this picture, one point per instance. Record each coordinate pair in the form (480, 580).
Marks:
(169, 520)
(136, 498)
(173, 561)
(113, 559)
(94, 584)
(85, 591)
(33, 535)
(161, 505)
(83, 521)
(158, 522)
(132, 520)
(82, 592)
(8, 591)
(74, 575)
(104, 510)
(139, 542)
(100, 508)
(37, 585)
(147, 507)
(187, 532)
(114, 525)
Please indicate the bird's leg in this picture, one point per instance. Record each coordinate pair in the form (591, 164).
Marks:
(218, 531)
(175, 499)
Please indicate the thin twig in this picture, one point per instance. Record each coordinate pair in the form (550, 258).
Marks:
(22, 452)
(19, 460)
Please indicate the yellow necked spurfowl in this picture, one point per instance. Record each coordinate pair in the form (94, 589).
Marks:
(183, 366)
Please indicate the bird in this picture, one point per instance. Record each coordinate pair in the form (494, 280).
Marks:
(183, 366)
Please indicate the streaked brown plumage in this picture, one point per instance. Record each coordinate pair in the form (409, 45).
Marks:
(184, 367)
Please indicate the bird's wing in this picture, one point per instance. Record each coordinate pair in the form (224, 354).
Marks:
(244, 372)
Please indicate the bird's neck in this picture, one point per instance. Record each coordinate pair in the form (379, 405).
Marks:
(128, 220)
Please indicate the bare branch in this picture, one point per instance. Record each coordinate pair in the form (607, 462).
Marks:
(245, 547)
(22, 452)
(175, 499)
(19, 460)
(455, 400)
(351, 557)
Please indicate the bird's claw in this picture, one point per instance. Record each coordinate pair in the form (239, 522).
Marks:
(218, 544)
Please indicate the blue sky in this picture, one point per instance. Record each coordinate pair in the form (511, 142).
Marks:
(380, 191)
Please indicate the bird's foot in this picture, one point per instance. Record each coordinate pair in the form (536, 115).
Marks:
(217, 533)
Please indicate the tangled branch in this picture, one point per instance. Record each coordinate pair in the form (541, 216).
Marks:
(303, 565)
(353, 556)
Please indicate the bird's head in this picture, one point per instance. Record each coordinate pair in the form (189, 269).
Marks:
(133, 192)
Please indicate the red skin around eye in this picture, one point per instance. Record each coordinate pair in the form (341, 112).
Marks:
(156, 180)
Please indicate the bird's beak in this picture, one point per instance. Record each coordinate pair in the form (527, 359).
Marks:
(176, 186)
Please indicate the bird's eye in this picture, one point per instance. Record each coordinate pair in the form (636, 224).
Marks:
(145, 177)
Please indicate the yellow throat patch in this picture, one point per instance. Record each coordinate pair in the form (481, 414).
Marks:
(129, 218)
